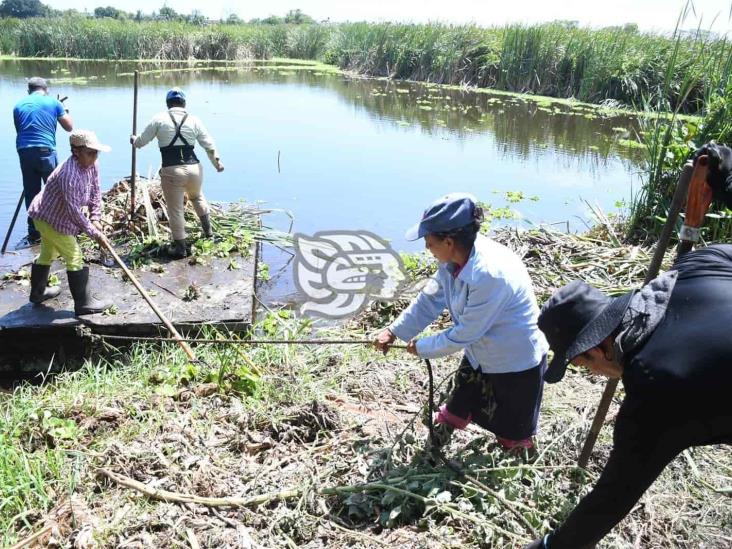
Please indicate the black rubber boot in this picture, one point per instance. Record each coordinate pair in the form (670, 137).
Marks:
(206, 226)
(40, 291)
(177, 250)
(34, 237)
(84, 302)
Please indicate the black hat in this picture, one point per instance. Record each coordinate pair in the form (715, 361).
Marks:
(575, 319)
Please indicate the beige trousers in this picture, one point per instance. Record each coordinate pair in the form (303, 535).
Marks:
(176, 182)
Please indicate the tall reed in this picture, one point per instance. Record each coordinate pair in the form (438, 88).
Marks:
(617, 65)
(696, 75)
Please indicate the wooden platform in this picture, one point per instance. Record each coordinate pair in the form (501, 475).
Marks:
(191, 295)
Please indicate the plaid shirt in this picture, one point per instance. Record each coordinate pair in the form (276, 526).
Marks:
(68, 189)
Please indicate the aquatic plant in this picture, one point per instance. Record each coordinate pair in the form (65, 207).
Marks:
(669, 140)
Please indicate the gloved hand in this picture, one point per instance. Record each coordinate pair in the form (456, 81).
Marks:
(541, 543)
(219, 166)
(720, 168)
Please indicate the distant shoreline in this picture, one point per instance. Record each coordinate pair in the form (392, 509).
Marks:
(618, 67)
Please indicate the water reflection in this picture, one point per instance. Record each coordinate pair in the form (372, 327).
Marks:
(521, 126)
(360, 151)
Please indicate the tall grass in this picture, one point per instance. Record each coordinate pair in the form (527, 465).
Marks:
(613, 64)
(696, 71)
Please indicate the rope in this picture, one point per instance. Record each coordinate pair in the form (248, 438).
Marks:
(430, 403)
(435, 448)
(92, 335)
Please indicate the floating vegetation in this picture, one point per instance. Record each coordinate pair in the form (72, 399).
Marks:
(631, 144)
(79, 81)
(195, 69)
(518, 196)
(144, 236)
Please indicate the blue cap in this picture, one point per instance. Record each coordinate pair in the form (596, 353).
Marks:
(175, 93)
(452, 211)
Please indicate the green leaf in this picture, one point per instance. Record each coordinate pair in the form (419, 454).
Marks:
(61, 429)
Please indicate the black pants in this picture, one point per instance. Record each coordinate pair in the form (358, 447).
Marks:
(505, 404)
(36, 163)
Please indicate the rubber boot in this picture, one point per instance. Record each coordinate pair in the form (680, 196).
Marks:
(40, 291)
(84, 302)
(206, 226)
(177, 250)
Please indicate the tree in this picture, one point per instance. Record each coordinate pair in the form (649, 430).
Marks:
(234, 19)
(167, 13)
(109, 11)
(196, 18)
(271, 20)
(297, 17)
(23, 9)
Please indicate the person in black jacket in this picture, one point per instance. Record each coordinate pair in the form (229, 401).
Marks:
(670, 344)
(719, 175)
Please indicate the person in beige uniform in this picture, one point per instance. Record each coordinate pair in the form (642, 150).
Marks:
(181, 173)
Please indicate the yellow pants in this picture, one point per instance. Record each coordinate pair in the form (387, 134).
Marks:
(177, 181)
(53, 244)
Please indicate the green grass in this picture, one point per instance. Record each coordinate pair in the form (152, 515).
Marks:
(615, 66)
(338, 424)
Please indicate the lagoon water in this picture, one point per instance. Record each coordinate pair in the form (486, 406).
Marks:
(353, 153)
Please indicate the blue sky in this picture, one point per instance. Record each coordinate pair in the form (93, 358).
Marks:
(658, 15)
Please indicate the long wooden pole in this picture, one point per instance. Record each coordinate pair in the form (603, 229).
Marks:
(133, 175)
(12, 223)
(183, 345)
(682, 188)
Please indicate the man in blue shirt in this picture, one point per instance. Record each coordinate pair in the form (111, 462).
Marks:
(35, 118)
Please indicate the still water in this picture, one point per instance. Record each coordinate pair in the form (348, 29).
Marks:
(341, 152)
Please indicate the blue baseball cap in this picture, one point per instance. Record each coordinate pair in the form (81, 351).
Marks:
(175, 93)
(452, 211)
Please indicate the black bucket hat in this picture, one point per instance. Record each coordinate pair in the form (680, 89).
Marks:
(575, 319)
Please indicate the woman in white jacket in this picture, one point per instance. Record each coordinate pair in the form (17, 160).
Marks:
(488, 292)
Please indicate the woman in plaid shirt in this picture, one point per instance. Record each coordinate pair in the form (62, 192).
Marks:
(58, 216)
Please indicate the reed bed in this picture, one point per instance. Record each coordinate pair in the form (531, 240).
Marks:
(620, 65)
(670, 139)
(554, 259)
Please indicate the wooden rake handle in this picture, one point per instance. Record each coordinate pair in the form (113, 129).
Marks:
(183, 345)
(681, 193)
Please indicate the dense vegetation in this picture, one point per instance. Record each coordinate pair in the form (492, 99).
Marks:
(617, 65)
